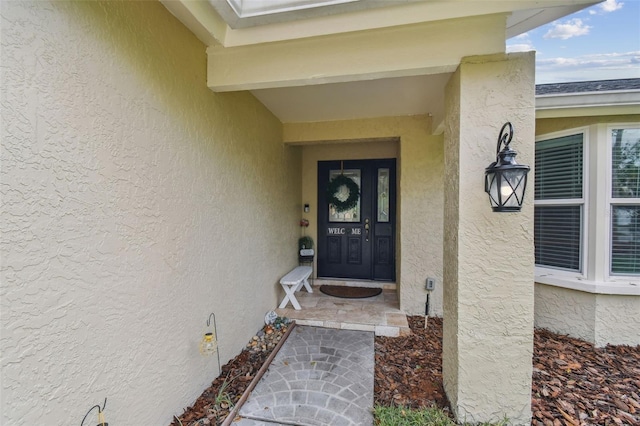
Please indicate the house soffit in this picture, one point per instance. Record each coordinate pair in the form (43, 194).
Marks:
(280, 59)
(203, 18)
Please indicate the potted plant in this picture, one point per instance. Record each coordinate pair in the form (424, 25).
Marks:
(305, 243)
(305, 249)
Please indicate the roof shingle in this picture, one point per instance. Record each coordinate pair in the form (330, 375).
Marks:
(588, 86)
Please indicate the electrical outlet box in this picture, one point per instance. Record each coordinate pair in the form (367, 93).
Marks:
(431, 284)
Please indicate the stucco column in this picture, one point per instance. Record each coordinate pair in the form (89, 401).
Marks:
(488, 257)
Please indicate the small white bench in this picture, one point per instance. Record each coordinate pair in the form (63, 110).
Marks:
(293, 282)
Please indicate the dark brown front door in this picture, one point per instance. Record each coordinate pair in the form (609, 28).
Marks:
(358, 243)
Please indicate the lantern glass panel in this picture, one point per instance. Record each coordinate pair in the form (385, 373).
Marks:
(512, 187)
(492, 186)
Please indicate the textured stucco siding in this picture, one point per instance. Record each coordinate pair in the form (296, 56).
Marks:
(135, 202)
(617, 320)
(420, 189)
(601, 319)
(565, 311)
(490, 314)
(450, 348)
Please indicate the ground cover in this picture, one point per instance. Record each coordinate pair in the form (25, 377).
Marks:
(574, 383)
(433, 416)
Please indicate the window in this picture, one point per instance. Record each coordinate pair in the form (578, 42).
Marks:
(559, 202)
(625, 201)
(351, 215)
(587, 208)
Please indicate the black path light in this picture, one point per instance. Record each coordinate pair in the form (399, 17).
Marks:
(506, 180)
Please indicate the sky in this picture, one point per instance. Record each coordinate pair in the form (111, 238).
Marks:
(601, 42)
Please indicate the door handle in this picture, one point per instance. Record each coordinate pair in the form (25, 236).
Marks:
(366, 229)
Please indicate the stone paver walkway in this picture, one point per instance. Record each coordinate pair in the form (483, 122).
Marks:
(319, 377)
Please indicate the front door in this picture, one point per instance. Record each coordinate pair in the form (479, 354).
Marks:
(358, 243)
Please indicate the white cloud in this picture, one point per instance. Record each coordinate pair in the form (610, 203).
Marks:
(601, 60)
(603, 66)
(520, 47)
(522, 44)
(610, 6)
(572, 28)
(606, 7)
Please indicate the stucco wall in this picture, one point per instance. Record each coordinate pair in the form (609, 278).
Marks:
(617, 319)
(601, 319)
(135, 202)
(420, 198)
(450, 349)
(421, 187)
(565, 311)
(488, 316)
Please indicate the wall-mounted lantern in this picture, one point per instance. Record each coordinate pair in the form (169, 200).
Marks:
(506, 180)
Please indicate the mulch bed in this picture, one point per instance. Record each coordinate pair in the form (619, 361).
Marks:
(409, 369)
(206, 411)
(574, 384)
(577, 384)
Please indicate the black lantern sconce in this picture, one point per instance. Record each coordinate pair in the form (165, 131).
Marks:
(505, 180)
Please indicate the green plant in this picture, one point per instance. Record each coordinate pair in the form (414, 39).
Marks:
(222, 398)
(403, 416)
(305, 242)
(222, 402)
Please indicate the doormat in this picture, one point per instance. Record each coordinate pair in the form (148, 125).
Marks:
(350, 292)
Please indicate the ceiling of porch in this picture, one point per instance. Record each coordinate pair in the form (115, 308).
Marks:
(346, 59)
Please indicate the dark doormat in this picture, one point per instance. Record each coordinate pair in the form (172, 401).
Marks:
(350, 292)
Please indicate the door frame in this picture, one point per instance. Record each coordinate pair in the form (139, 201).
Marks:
(323, 170)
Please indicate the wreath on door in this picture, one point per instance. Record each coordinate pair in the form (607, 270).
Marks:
(336, 195)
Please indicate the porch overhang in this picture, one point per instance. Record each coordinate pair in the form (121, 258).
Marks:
(204, 19)
(419, 49)
(357, 60)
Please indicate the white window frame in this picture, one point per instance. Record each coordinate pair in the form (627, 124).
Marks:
(542, 270)
(596, 241)
(611, 201)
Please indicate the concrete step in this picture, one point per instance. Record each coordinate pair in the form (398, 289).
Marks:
(385, 285)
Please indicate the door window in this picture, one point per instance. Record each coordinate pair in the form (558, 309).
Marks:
(351, 215)
(383, 195)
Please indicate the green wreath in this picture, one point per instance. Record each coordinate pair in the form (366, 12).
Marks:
(334, 187)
